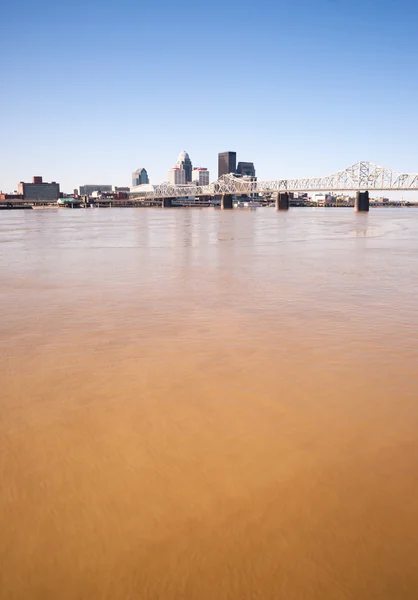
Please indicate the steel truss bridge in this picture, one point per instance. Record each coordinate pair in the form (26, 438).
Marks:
(363, 176)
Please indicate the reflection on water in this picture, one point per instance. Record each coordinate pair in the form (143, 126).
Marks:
(200, 404)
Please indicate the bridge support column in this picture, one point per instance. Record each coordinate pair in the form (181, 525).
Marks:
(226, 201)
(166, 203)
(362, 202)
(282, 201)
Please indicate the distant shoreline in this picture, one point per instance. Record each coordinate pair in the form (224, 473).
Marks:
(199, 206)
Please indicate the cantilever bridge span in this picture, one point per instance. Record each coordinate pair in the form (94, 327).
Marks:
(361, 177)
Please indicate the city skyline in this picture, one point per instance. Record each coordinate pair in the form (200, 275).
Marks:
(324, 86)
(397, 186)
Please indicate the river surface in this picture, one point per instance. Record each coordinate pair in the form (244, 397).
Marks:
(208, 405)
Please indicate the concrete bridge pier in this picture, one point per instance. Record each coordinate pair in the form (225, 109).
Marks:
(226, 201)
(282, 201)
(362, 202)
(166, 203)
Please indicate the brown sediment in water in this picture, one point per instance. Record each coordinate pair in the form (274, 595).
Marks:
(192, 436)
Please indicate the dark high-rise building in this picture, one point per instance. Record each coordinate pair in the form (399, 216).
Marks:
(227, 163)
(184, 162)
(246, 169)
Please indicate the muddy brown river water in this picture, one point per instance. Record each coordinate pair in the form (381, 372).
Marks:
(207, 405)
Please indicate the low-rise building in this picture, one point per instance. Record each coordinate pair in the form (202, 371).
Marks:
(323, 199)
(11, 197)
(88, 189)
(39, 191)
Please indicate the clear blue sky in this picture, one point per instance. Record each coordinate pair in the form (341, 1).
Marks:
(92, 90)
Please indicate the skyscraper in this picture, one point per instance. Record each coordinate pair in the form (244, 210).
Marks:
(227, 163)
(200, 176)
(246, 169)
(177, 176)
(139, 177)
(184, 162)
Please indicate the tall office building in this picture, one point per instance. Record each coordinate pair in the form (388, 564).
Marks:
(140, 177)
(200, 176)
(177, 176)
(184, 162)
(227, 163)
(246, 169)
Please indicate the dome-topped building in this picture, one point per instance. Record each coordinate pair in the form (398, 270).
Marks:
(184, 162)
(183, 156)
